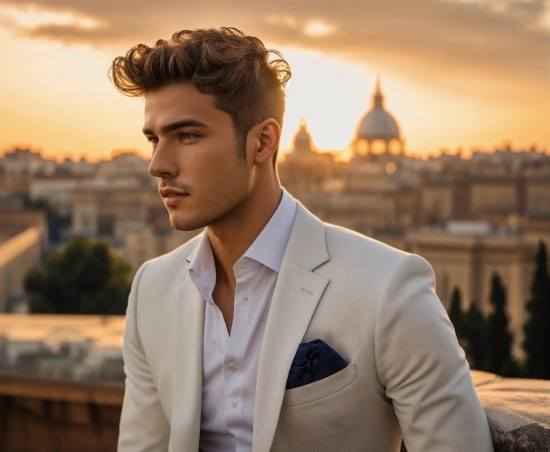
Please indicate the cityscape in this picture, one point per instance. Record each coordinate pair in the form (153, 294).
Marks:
(470, 218)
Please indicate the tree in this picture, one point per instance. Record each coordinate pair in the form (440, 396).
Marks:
(455, 313)
(497, 339)
(469, 327)
(473, 328)
(537, 328)
(86, 277)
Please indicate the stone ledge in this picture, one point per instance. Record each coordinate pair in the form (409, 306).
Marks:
(518, 411)
(98, 393)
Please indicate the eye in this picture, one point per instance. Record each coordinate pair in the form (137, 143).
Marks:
(188, 136)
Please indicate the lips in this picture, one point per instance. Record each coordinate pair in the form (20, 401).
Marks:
(166, 192)
(172, 197)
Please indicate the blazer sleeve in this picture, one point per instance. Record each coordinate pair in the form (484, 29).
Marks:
(422, 367)
(143, 425)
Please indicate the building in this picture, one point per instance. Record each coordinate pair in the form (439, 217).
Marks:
(378, 132)
(106, 211)
(372, 194)
(57, 190)
(466, 255)
(122, 164)
(23, 238)
(306, 172)
(69, 347)
(25, 161)
(131, 218)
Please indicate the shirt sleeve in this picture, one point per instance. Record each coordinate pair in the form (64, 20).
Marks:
(143, 425)
(423, 368)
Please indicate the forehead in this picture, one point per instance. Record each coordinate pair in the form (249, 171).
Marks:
(178, 101)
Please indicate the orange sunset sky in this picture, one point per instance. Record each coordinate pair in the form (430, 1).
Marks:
(455, 73)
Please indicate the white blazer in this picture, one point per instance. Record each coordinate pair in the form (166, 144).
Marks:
(373, 304)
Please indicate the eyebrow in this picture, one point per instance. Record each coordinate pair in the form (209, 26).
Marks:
(176, 125)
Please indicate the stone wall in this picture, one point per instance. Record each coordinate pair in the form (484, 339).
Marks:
(41, 415)
(18, 255)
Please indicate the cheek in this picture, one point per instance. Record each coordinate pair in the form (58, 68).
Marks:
(214, 164)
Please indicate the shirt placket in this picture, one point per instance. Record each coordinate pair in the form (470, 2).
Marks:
(234, 359)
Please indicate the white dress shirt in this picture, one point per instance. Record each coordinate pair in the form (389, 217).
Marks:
(230, 363)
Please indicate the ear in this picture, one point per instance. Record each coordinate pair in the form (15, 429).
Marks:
(265, 138)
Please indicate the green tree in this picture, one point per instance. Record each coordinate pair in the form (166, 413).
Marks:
(469, 327)
(86, 277)
(537, 328)
(455, 313)
(473, 327)
(497, 339)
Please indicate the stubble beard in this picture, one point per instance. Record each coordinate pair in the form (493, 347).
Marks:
(228, 198)
(225, 207)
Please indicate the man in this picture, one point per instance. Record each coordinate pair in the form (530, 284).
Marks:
(212, 344)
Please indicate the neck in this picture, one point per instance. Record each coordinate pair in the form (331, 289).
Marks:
(231, 237)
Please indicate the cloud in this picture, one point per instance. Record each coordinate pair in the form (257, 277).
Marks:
(318, 28)
(444, 41)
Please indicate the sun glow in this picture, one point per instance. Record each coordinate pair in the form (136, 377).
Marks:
(318, 28)
(62, 101)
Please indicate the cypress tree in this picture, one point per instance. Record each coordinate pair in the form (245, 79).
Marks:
(455, 312)
(537, 328)
(473, 329)
(497, 338)
(469, 327)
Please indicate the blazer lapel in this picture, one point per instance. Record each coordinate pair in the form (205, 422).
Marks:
(186, 410)
(295, 298)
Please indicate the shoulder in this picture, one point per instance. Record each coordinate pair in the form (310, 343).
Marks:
(344, 244)
(348, 254)
(373, 267)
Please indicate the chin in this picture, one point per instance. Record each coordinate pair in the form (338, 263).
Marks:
(209, 213)
(186, 223)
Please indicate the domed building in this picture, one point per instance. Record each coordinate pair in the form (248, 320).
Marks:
(304, 170)
(302, 143)
(378, 131)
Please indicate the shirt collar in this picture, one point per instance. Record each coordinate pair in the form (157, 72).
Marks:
(202, 270)
(270, 246)
(268, 249)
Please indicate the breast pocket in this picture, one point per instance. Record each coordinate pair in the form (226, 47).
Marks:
(320, 389)
(311, 419)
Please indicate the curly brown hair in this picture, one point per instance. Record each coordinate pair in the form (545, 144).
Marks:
(225, 62)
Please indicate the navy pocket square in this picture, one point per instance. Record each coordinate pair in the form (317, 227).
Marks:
(314, 361)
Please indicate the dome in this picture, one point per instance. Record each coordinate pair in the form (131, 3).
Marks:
(302, 139)
(378, 124)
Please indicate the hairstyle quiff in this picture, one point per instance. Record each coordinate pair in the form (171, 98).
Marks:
(225, 62)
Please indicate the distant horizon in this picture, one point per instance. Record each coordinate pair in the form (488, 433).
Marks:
(116, 152)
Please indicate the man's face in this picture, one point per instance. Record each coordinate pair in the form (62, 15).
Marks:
(202, 178)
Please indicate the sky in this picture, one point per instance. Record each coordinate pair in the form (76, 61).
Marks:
(470, 74)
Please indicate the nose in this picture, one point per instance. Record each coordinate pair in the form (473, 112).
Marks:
(163, 164)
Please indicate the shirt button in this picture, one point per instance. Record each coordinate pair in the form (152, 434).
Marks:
(245, 266)
(245, 298)
(233, 366)
(234, 403)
